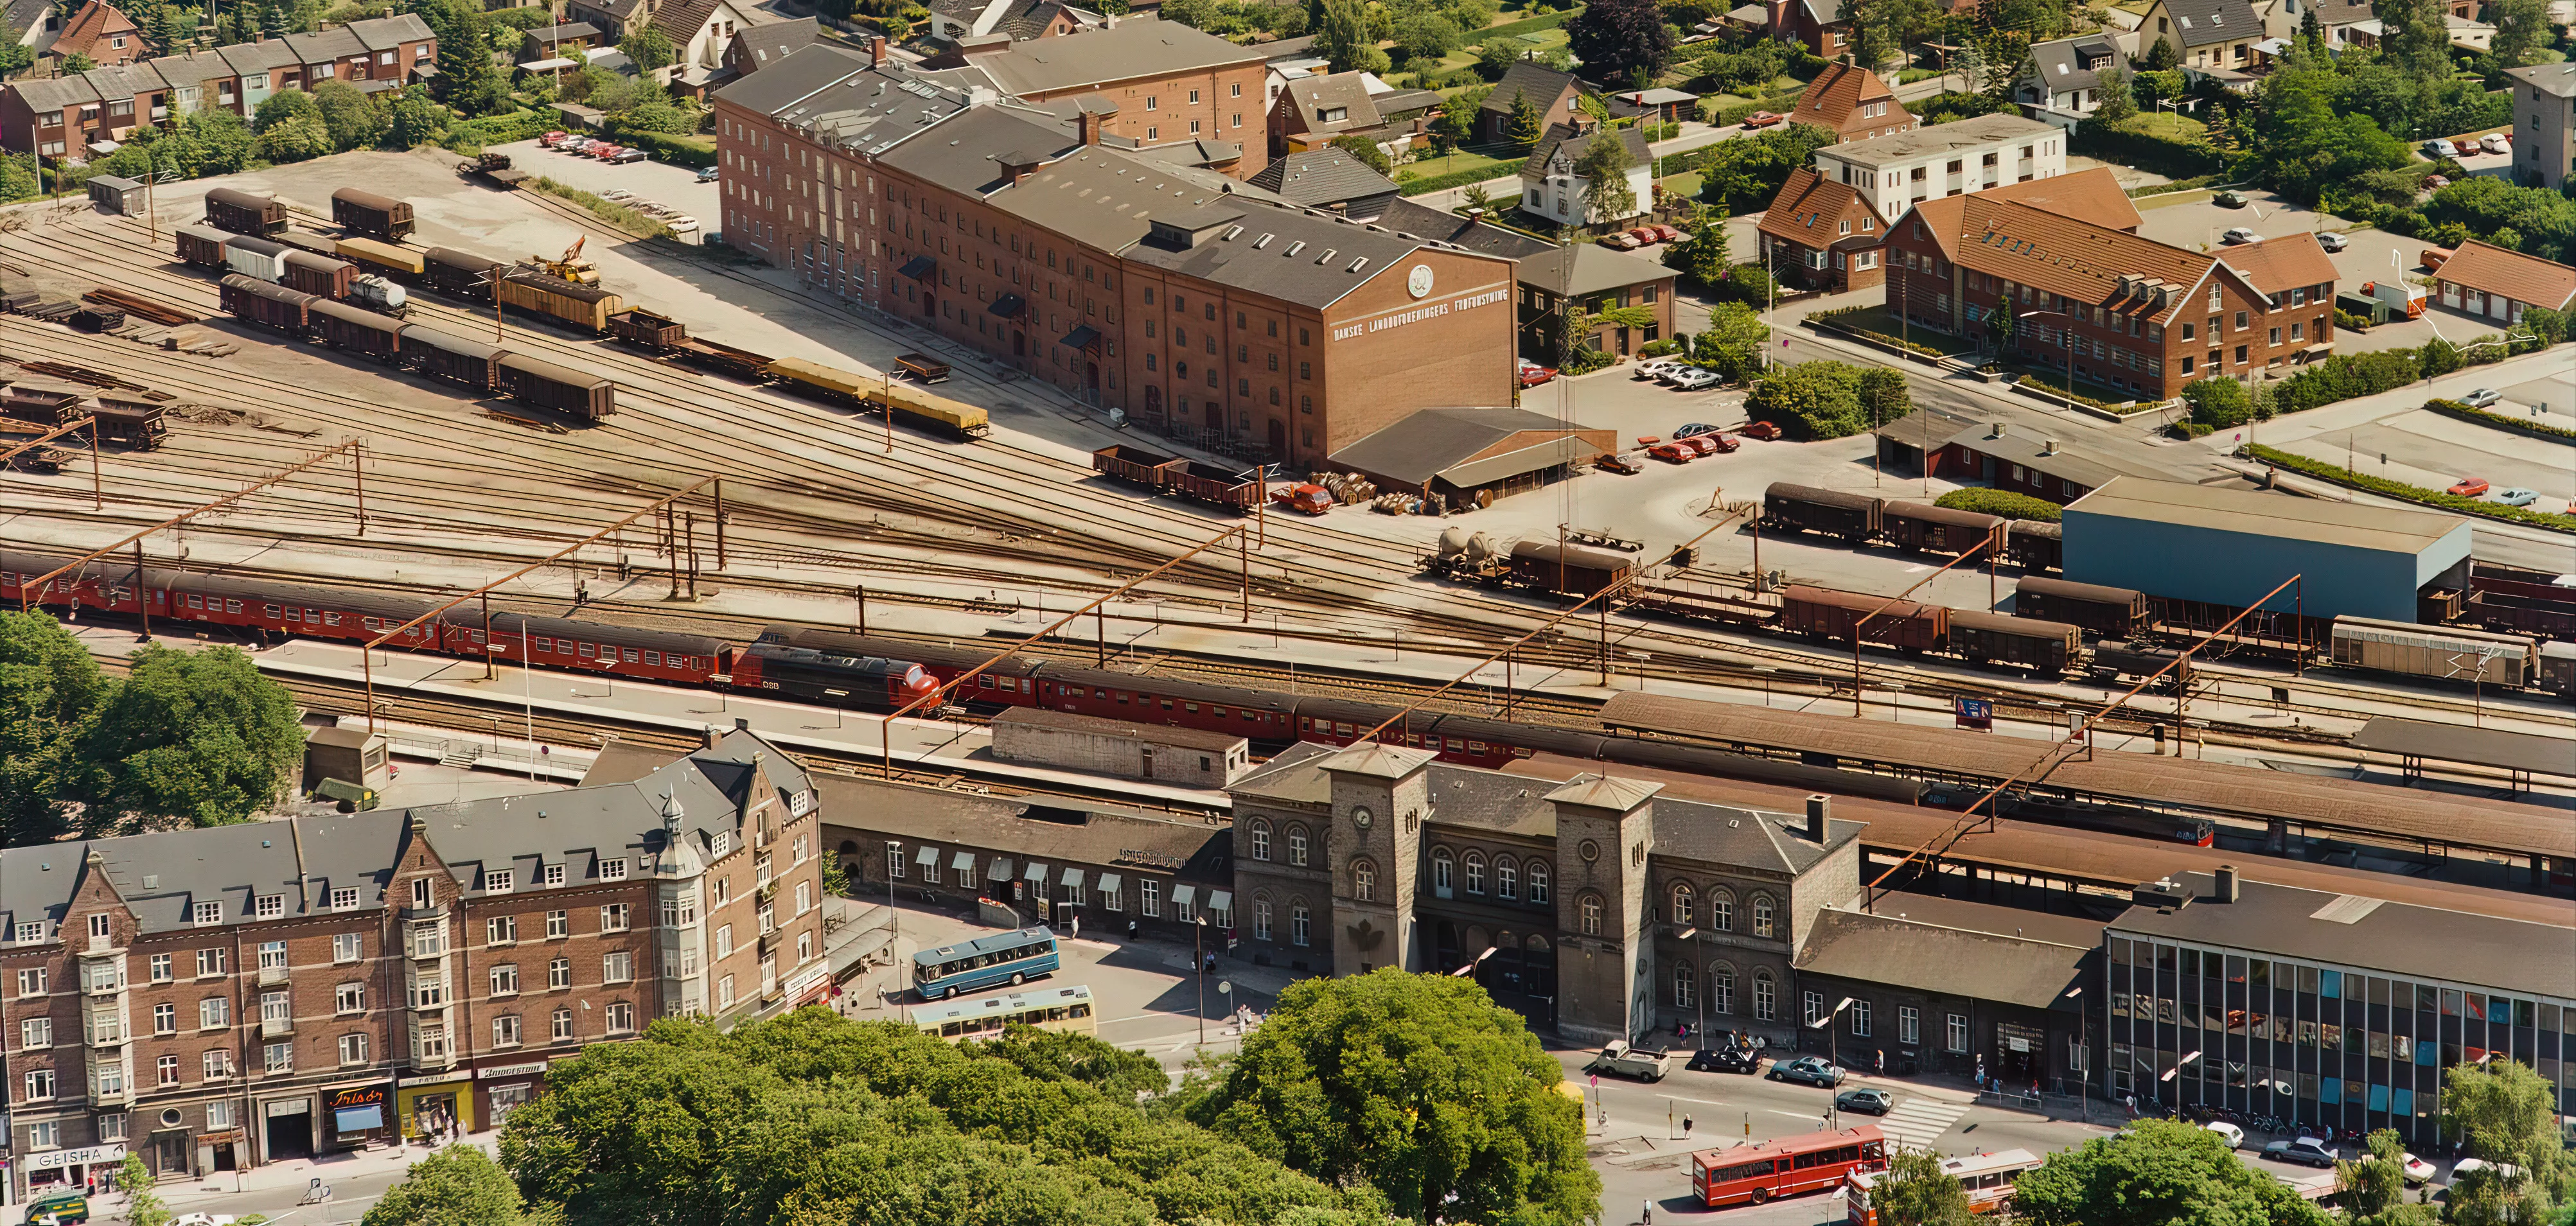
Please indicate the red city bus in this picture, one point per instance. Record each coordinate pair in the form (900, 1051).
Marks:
(1810, 1163)
(1988, 1179)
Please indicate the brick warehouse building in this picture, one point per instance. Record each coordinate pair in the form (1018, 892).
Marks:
(1195, 303)
(221, 998)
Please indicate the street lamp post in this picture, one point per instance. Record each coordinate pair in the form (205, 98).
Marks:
(1198, 968)
(1833, 1054)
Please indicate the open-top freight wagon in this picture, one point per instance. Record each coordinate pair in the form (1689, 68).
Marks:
(909, 405)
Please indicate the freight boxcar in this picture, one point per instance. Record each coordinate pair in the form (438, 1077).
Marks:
(318, 275)
(263, 303)
(243, 212)
(343, 326)
(586, 307)
(547, 385)
(372, 215)
(2046, 647)
(461, 273)
(2558, 669)
(2447, 652)
(446, 355)
(2522, 581)
(203, 246)
(2545, 619)
(131, 420)
(2111, 612)
(400, 263)
(1827, 614)
(1935, 529)
(256, 258)
(1802, 508)
(1568, 570)
(1135, 464)
(2035, 544)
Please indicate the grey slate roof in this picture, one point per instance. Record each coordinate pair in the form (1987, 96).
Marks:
(1958, 958)
(2062, 63)
(1197, 151)
(839, 97)
(1284, 253)
(1539, 81)
(389, 33)
(1135, 47)
(323, 46)
(2394, 938)
(770, 42)
(2199, 23)
(1421, 220)
(1961, 134)
(194, 68)
(1313, 96)
(1425, 443)
(1098, 196)
(26, 15)
(55, 93)
(1562, 141)
(2555, 80)
(1753, 838)
(1102, 835)
(249, 59)
(1319, 177)
(579, 29)
(1405, 103)
(1597, 269)
(125, 81)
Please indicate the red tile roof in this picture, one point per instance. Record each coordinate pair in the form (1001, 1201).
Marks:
(1834, 98)
(2278, 265)
(2093, 195)
(2060, 255)
(2525, 279)
(1810, 210)
(88, 30)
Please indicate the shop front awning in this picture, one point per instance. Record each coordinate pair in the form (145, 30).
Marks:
(358, 1119)
(1182, 894)
(927, 855)
(1072, 879)
(1109, 883)
(919, 268)
(1083, 337)
(1008, 306)
(1036, 873)
(964, 863)
(999, 870)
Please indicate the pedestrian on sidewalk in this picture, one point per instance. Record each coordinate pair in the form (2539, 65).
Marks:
(1646, 1214)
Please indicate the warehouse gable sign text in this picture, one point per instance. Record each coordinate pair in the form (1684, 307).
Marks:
(1435, 310)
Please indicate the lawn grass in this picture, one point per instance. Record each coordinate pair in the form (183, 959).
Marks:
(1684, 185)
(2170, 125)
(1462, 160)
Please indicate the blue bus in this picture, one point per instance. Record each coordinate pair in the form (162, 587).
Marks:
(1009, 957)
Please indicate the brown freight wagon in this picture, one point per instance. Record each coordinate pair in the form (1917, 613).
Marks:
(319, 275)
(1226, 487)
(202, 246)
(244, 212)
(46, 404)
(1132, 464)
(377, 217)
(302, 240)
(263, 303)
(131, 420)
(1568, 570)
(346, 327)
(651, 329)
(446, 355)
(2046, 647)
(1804, 508)
(1827, 614)
(464, 274)
(1926, 528)
(549, 386)
(2035, 544)
(2111, 612)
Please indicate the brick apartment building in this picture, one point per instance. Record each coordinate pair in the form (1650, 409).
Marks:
(2146, 317)
(1158, 83)
(221, 998)
(1193, 302)
(61, 117)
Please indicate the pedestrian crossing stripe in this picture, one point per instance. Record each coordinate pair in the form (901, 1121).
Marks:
(1918, 1122)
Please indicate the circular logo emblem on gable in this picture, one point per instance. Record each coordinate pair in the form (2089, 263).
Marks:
(1418, 282)
(1361, 818)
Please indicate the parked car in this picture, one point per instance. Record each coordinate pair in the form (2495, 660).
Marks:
(2332, 241)
(1726, 1059)
(709, 174)
(1714, 444)
(627, 157)
(2417, 1170)
(1621, 241)
(2517, 496)
(2240, 235)
(2438, 148)
(1762, 119)
(2230, 200)
(1613, 462)
(1694, 379)
(1533, 374)
(1760, 430)
(2497, 142)
(1693, 430)
(2469, 487)
(2307, 1151)
(2481, 398)
(1642, 1063)
(1865, 1102)
(1645, 236)
(2435, 183)
(1656, 368)
(550, 140)
(682, 225)
(1674, 453)
(1807, 1070)
(2471, 1166)
(1666, 234)
(2230, 1133)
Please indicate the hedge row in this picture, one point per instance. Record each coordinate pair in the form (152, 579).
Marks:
(1461, 178)
(2004, 503)
(498, 130)
(2146, 151)
(2178, 185)
(2410, 493)
(1530, 25)
(2519, 425)
(1779, 103)
(692, 151)
(2056, 384)
(1839, 319)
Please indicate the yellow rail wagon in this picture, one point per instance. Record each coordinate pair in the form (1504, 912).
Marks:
(912, 406)
(400, 263)
(583, 306)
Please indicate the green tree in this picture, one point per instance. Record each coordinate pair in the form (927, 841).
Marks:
(1496, 58)
(1526, 124)
(236, 23)
(1607, 194)
(2501, 1111)
(1365, 152)
(456, 1186)
(414, 120)
(2306, 145)
(466, 80)
(276, 18)
(2157, 1173)
(294, 140)
(1883, 29)
(1915, 1191)
(1821, 397)
(199, 736)
(1345, 40)
(1419, 1085)
(2119, 100)
(2218, 402)
(170, 30)
(1455, 126)
(1476, 197)
(50, 690)
(649, 47)
(353, 119)
(2550, 326)
(77, 63)
(284, 105)
(2415, 36)
(2160, 57)
(16, 58)
(1619, 39)
(19, 180)
(2374, 1184)
(1733, 342)
(1883, 395)
(2439, 357)
(2522, 27)
(143, 1206)
(1703, 256)
(223, 140)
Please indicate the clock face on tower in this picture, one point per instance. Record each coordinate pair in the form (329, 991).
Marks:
(1361, 817)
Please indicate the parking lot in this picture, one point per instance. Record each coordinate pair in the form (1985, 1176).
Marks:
(2390, 436)
(675, 187)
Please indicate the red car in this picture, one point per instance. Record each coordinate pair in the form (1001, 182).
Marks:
(1679, 452)
(2470, 487)
(550, 140)
(1665, 233)
(1533, 375)
(1714, 444)
(1761, 119)
(1646, 236)
(1760, 429)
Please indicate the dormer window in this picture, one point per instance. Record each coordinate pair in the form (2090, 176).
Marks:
(498, 881)
(1333, 114)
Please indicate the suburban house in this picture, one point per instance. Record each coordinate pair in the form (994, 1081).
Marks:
(1021, 20)
(2493, 283)
(557, 41)
(196, 80)
(1551, 186)
(757, 47)
(1653, 105)
(1597, 279)
(1822, 234)
(1329, 179)
(31, 24)
(2065, 76)
(1820, 24)
(2544, 122)
(1311, 111)
(1950, 159)
(2214, 37)
(99, 31)
(264, 68)
(1556, 94)
(1854, 102)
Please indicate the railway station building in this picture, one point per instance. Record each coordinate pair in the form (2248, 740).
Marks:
(1194, 303)
(222, 998)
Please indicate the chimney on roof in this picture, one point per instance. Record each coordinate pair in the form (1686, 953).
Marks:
(741, 723)
(877, 53)
(1089, 122)
(1820, 808)
(1998, 428)
(2048, 446)
(2224, 887)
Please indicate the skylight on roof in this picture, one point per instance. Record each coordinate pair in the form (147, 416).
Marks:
(1263, 241)
(1233, 232)
(1295, 247)
(1359, 263)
